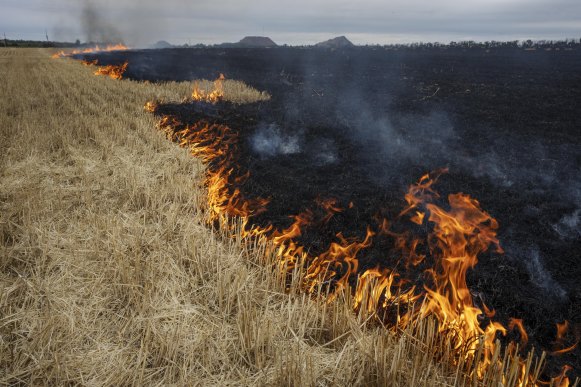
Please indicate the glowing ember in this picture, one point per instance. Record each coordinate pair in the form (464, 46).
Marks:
(115, 72)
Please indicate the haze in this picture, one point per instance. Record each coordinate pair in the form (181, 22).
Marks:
(304, 22)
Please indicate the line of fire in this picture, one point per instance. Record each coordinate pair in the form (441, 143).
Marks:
(399, 264)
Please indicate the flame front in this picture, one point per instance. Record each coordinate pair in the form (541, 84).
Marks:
(459, 231)
(113, 71)
(91, 50)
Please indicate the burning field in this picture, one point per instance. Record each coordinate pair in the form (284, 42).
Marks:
(416, 204)
(430, 194)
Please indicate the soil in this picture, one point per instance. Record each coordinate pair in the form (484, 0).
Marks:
(362, 124)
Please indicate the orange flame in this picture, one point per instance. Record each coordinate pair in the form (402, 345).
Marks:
(90, 62)
(91, 50)
(151, 106)
(559, 349)
(562, 380)
(562, 329)
(517, 323)
(113, 71)
(331, 207)
(216, 95)
(459, 234)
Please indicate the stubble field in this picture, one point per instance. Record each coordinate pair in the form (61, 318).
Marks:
(110, 276)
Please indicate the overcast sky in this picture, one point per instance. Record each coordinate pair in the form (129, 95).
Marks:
(297, 22)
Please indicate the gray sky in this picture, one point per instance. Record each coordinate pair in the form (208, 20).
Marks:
(292, 22)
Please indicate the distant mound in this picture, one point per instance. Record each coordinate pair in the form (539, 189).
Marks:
(338, 42)
(256, 41)
(161, 44)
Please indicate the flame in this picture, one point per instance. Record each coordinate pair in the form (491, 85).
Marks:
(215, 145)
(518, 323)
(559, 348)
(331, 208)
(458, 236)
(90, 62)
(459, 230)
(113, 71)
(91, 50)
(151, 106)
(562, 380)
(562, 329)
(214, 96)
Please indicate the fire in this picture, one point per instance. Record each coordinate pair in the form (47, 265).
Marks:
(214, 96)
(560, 346)
(151, 106)
(459, 230)
(562, 380)
(214, 143)
(518, 324)
(91, 50)
(113, 71)
(90, 62)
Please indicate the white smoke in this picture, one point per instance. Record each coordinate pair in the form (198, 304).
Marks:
(269, 141)
(538, 274)
(569, 226)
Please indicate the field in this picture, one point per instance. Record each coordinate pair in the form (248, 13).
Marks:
(359, 126)
(110, 274)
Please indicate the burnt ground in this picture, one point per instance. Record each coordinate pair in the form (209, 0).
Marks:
(362, 124)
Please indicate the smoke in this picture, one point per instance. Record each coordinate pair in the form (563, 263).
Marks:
(535, 168)
(269, 141)
(96, 28)
(533, 262)
(324, 152)
(569, 226)
(107, 21)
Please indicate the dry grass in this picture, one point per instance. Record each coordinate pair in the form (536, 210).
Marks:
(108, 275)
(234, 91)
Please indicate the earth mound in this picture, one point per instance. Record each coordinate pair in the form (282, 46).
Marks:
(338, 42)
(256, 41)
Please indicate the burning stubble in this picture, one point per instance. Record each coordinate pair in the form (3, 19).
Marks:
(395, 142)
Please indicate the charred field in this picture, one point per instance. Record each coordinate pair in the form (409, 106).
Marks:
(347, 132)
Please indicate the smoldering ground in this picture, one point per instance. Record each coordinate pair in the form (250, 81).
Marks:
(384, 120)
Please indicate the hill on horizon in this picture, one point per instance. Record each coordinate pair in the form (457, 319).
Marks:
(337, 42)
(256, 41)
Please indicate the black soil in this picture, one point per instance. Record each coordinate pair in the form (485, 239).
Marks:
(362, 124)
